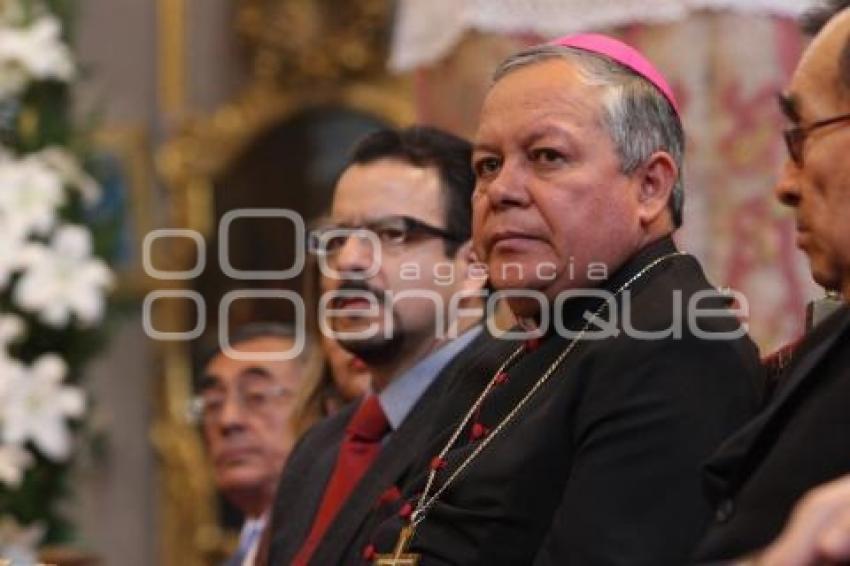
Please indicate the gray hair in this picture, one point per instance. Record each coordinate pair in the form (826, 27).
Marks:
(639, 119)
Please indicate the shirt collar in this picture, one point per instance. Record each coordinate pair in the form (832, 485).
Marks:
(254, 523)
(399, 397)
(251, 531)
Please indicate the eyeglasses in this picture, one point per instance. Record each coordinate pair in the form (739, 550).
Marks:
(795, 137)
(253, 398)
(392, 231)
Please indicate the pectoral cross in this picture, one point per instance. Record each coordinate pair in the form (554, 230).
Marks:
(399, 556)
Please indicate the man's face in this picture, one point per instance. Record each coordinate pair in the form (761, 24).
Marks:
(550, 197)
(350, 373)
(246, 425)
(369, 194)
(819, 189)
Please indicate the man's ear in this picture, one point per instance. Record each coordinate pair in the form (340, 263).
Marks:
(472, 279)
(657, 177)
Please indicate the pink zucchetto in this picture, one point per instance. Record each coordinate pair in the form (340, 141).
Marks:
(623, 54)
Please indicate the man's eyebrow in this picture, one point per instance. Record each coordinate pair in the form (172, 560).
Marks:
(208, 381)
(489, 148)
(789, 106)
(259, 371)
(528, 138)
(545, 131)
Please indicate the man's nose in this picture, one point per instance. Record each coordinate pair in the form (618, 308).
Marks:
(232, 413)
(787, 189)
(509, 187)
(358, 253)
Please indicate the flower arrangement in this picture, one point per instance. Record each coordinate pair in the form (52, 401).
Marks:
(53, 280)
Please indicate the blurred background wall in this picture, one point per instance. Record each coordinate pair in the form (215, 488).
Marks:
(121, 43)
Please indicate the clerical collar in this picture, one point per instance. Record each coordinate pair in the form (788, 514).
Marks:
(652, 251)
(573, 310)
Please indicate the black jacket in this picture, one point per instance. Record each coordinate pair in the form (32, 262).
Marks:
(312, 461)
(603, 466)
(798, 442)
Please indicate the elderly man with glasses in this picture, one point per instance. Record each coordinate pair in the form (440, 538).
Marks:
(401, 209)
(243, 406)
(799, 441)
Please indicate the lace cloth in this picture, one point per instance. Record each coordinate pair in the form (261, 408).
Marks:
(427, 30)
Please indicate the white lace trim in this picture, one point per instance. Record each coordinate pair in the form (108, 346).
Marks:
(427, 30)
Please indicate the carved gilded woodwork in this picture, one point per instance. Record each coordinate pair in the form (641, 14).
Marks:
(305, 54)
(309, 42)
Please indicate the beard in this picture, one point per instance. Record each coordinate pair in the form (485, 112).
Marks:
(376, 350)
(379, 347)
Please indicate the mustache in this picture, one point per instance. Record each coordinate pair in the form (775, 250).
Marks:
(357, 285)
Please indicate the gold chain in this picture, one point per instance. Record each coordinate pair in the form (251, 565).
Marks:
(425, 503)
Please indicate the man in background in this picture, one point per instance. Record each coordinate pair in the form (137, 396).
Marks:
(244, 407)
(397, 241)
(800, 440)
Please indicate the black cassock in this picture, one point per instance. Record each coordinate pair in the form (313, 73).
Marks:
(797, 443)
(603, 465)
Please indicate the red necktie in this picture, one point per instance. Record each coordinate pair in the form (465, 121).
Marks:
(359, 449)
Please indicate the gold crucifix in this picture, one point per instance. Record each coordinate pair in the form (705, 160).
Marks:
(399, 556)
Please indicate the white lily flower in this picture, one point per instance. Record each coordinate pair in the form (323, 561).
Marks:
(36, 405)
(10, 371)
(63, 279)
(30, 194)
(11, 328)
(33, 52)
(14, 461)
(69, 169)
(11, 247)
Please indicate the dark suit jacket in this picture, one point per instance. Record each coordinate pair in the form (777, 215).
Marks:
(797, 443)
(312, 461)
(603, 465)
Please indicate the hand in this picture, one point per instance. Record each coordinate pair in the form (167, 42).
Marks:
(818, 531)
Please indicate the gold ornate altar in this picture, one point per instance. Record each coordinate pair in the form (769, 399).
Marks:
(316, 65)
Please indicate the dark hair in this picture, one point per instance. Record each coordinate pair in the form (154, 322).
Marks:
(423, 146)
(246, 333)
(814, 20)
